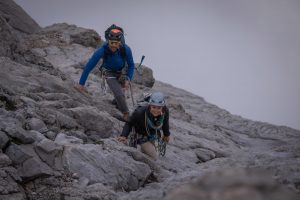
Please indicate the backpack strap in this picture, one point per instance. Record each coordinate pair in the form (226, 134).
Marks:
(123, 55)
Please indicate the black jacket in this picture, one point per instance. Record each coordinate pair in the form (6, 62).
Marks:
(138, 121)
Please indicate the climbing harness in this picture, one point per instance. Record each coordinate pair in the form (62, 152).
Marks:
(103, 81)
(161, 146)
(132, 139)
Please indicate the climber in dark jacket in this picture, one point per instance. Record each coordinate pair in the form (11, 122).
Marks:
(112, 53)
(148, 121)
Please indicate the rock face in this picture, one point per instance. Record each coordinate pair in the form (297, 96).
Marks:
(17, 18)
(57, 143)
(143, 76)
(14, 23)
(238, 184)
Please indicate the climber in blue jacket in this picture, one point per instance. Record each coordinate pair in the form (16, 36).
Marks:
(115, 54)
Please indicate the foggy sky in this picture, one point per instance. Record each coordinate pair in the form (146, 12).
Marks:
(243, 56)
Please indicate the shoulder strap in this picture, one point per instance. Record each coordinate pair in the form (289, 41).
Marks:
(123, 54)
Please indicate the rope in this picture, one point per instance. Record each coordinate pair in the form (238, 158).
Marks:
(161, 145)
(103, 80)
(133, 139)
(131, 94)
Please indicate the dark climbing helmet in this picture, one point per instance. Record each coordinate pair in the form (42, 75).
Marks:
(157, 99)
(115, 34)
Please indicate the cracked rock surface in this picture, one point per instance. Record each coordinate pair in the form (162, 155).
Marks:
(57, 143)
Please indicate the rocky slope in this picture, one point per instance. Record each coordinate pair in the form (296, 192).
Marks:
(57, 143)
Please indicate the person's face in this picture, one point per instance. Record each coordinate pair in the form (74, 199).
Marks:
(156, 110)
(114, 45)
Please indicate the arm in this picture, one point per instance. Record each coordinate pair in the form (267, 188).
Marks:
(98, 54)
(130, 62)
(128, 125)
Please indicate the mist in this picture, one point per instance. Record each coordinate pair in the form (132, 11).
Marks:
(240, 55)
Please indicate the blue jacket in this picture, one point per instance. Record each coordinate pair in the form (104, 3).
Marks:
(113, 62)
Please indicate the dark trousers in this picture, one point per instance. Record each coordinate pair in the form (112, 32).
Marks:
(112, 79)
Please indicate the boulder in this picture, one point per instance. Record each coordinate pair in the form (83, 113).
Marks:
(107, 166)
(143, 76)
(4, 160)
(19, 134)
(28, 163)
(50, 152)
(237, 184)
(3, 140)
(9, 189)
(36, 125)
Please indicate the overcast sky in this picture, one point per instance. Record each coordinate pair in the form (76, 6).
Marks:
(243, 56)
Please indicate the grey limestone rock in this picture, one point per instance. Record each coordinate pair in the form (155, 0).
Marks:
(3, 140)
(4, 160)
(19, 134)
(50, 153)
(37, 125)
(9, 189)
(144, 76)
(58, 143)
(235, 184)
(106, 166)
(28, 163)
(17, 18)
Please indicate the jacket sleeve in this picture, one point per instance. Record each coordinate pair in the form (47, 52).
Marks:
(127, 128)
(130, 63)
(165, 126)
(98, 54)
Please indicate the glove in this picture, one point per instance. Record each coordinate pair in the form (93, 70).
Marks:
(126, 84)
(166, 139)
(80, 88)
(122, 139)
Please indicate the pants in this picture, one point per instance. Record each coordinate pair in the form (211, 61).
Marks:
(149, 149)
(116, 87)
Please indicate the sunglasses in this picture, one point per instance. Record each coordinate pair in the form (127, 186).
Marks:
(113, 42)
